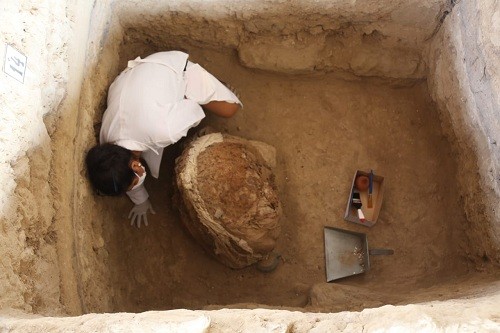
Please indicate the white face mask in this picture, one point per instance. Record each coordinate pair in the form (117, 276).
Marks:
(141, 179)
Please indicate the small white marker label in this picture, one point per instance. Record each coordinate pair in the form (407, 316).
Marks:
(15, 63)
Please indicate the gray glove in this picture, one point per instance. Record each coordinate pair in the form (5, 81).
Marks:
(139, 212)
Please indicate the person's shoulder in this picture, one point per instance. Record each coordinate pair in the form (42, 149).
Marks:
(176, 60)
(170, 56)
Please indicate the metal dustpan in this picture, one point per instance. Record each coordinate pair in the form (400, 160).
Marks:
(347, 253)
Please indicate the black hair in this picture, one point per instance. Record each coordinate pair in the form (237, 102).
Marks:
(108, 168)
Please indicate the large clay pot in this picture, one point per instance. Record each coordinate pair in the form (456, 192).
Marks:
(227, 197)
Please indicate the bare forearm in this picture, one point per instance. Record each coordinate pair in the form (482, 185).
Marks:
(222, 108)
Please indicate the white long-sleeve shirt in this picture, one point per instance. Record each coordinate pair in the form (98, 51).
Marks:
(154, 102)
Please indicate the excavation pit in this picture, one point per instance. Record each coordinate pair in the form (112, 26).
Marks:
(334, 88)
(324, 125)
(323, 129)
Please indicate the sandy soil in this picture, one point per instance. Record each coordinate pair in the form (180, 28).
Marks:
(60, 243)
(323, 129)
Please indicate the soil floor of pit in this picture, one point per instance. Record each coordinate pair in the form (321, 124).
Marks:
(324, 129)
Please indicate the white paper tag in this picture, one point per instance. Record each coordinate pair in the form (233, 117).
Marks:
(15, 63)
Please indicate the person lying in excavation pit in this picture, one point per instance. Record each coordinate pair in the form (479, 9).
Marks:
(151, 104)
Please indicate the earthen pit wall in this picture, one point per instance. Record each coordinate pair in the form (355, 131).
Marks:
(29, 260)
(464, 80)
(382, 39)
(467, 315)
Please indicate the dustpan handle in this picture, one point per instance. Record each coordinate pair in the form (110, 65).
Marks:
(380, 252)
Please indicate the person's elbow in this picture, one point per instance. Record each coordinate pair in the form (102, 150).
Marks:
(231, 110)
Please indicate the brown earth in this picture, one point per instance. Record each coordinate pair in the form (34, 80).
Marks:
(323, 128)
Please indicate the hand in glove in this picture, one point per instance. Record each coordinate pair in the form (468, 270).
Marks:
(139, 212)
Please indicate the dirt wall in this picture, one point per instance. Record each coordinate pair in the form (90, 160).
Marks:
(91, 285)
(383, 39)
(29, 265)
(464, 79)
(455, 315)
